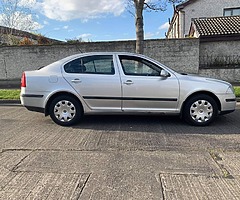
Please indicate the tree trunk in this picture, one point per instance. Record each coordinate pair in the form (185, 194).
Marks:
(139, 4)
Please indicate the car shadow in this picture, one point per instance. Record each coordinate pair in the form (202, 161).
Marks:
(226, 124)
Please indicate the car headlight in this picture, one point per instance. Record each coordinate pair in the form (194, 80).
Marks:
(230, 90)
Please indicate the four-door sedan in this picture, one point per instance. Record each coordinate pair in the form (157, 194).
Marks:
(122, 83)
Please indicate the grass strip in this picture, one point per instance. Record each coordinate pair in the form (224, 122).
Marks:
(10, 94)
(237, 91)
(15, 93)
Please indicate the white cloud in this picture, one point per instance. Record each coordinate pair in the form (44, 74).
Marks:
(85, 36)
(36, 26)
(45, 22)
(65, 27)
(26, 3)
(149, 35)
(85, 9)
(164, 26)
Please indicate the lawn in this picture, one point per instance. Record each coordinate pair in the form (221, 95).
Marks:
(9, 94)
(14, 94)
(237, 91)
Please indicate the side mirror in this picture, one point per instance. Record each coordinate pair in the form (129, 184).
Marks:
(164, 73)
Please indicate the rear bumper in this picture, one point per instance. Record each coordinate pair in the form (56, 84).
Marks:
(32, 101)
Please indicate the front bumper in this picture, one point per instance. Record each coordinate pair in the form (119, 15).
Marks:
(228, 103)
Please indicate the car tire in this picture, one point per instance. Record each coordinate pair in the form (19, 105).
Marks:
(200, 110)
(65, 110)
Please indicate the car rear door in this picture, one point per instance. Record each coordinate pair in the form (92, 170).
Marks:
(97, 81)
(144, 89)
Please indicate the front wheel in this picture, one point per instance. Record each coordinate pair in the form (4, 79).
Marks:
(65, 110)
(200, 110)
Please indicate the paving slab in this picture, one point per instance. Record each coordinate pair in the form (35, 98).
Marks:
(5, 176)
(31, 185)
(11, 158)
(98, 162)
(123, 184)
(112, 174)
(231, 162)
(191, 187)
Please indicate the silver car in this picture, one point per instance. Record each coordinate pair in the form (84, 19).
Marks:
(122, 83)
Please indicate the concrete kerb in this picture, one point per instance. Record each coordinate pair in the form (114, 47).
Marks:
(10, 102)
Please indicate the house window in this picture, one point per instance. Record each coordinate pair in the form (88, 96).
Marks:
(231, 11)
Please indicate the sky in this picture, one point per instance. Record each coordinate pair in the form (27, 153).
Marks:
(91, 20)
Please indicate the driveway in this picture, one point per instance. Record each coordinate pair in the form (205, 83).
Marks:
(118, 157)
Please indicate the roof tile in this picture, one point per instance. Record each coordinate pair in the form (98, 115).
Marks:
(218, 25)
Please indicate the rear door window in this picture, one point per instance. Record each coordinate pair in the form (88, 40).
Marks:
(98, 64)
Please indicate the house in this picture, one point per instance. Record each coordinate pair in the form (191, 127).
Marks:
(189, 10)
(11, 36)
(216, 28)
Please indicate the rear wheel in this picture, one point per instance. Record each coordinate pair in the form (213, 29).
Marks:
(200, 110)
(65, 110)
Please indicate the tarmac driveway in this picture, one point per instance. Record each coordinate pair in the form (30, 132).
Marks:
(118, 157)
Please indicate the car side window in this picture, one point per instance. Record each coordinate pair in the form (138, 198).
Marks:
(98, 64)
(136, 66)
(74, 66)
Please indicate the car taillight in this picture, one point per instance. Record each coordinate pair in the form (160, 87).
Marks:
(23, 80)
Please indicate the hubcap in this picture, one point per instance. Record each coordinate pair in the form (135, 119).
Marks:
(201, 111)
(64, 111)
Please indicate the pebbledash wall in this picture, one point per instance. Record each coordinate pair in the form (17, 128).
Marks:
(221, 60)
(182, 55)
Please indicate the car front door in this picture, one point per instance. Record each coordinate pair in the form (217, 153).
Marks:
(143, 87)
(96, 80)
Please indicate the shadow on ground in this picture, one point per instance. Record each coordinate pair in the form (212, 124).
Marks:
(226, 124)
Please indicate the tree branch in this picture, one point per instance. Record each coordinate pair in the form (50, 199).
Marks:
(155, 7)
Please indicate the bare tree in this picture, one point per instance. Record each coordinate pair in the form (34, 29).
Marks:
(149, 5)
(16, 14)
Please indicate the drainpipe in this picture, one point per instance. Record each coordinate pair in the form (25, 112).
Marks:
(183, 24)
(178, 24)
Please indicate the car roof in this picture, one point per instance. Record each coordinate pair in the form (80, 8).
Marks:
(100, 53)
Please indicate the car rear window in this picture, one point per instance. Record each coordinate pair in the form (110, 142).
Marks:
(97, 64)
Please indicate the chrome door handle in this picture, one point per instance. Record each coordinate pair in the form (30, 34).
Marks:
(128, 82)
(76, 80)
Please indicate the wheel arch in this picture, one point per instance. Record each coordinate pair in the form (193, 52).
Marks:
(59, 94)
(215, 98)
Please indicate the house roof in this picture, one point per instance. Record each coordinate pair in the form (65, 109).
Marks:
(216, 26)
(184, 4)
(176, 10)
